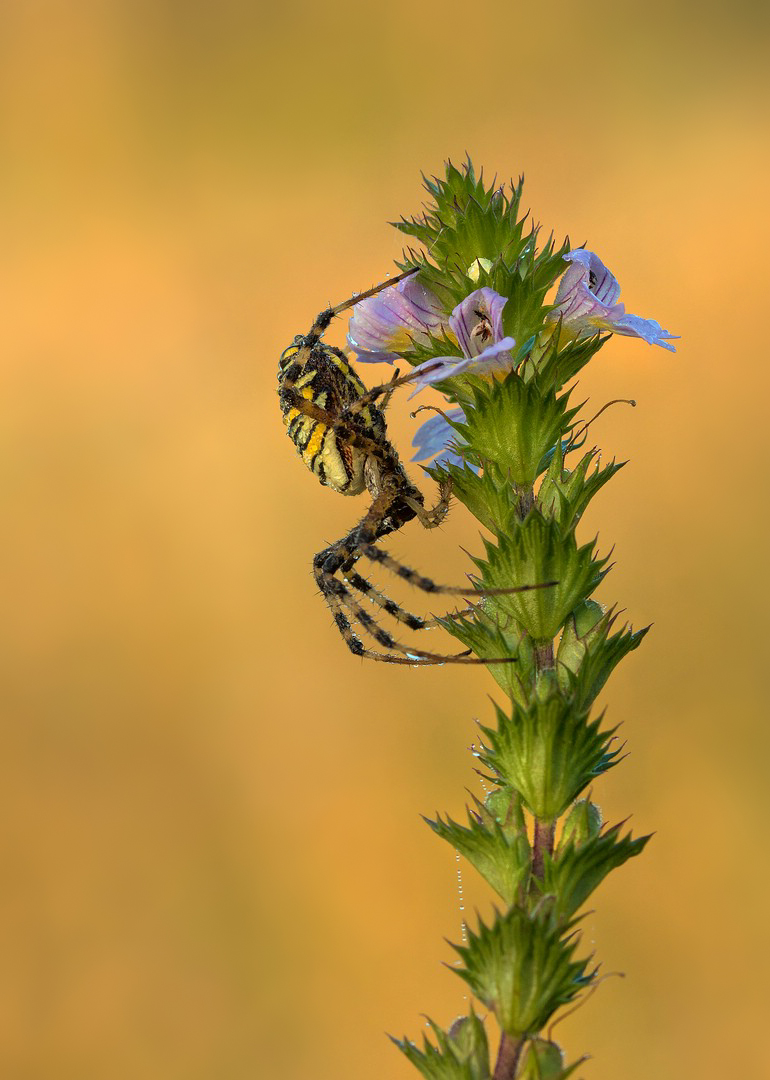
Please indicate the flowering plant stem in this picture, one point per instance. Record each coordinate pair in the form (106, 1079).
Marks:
(501, 328)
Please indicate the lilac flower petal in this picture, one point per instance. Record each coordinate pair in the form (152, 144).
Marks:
(431, 438)
(478, 319)
(647, 329)
(587, 302)
(601, 283)
(383, 326)
(494, 358)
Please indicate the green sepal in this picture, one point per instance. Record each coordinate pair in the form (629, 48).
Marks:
(549, 751)
(462, 1053)
(536, 272)
(522, 967)
(501, 855)
(544, 1060)
(565, 494)
(577, 869)
(430, 346)
(489, 495)
(539, 551)
(513, 424)
(556, 359)
(489, 638)
(588, 653)
(583, 822)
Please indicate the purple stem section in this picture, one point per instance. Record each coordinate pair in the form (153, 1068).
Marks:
(544, 657)
(544, 834)
(507, 1057)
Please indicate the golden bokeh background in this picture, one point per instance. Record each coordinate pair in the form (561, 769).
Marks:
(212, 860)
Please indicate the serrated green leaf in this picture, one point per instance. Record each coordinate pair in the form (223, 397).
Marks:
(513, 425)
(488, 638)
(564, 494)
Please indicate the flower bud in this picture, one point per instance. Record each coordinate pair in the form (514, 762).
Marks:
(542, 1060)
(468, 1041)
(584, 822)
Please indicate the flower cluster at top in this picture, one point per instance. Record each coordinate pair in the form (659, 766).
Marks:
(409, 315)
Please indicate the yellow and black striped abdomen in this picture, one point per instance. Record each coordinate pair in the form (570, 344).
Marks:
(327, 380)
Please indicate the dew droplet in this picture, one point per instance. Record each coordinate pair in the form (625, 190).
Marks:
(460, 895)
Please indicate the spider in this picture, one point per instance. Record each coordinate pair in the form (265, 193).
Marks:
(339, 432)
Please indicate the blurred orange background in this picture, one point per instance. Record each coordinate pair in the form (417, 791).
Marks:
(212, 860)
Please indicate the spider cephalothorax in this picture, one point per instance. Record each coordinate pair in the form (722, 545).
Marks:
(339, 430)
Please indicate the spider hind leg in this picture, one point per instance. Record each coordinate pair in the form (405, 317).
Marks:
(344, 594)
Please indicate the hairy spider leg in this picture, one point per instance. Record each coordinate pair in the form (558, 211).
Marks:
(419, 581)
(338, 597)
(342, 556)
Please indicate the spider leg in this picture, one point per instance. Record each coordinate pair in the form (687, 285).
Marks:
(429, 519)
(324, 318)
(361, 585)
(339, 597)
(341, 557)
(376, 554)
(299, 351)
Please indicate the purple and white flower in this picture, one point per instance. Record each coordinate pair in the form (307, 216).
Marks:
(384, 326)
(587, 302)
(477, 323)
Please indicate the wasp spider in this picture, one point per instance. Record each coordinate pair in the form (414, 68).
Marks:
(339, 431)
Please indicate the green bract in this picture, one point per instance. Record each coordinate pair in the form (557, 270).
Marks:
(522, 967)
(502, 856)
(462, 1053)
(539, 550)
(513, 424)
(549, 752)
(578, 868)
